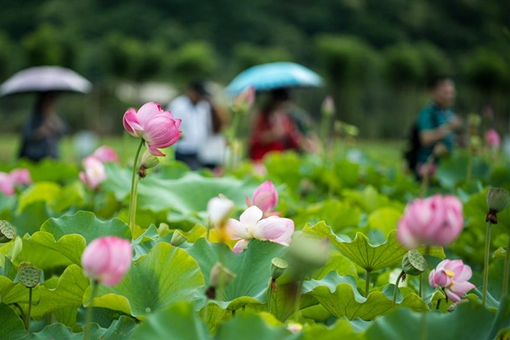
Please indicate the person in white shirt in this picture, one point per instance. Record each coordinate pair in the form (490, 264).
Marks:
(198, 124)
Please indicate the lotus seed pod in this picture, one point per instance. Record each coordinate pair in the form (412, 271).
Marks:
(178, 238)
(7, 231)
(414, 263)
(28, 275)
(498, 199)
(278, 267)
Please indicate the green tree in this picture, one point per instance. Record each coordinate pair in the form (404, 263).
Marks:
(404, 65)
(194, 60)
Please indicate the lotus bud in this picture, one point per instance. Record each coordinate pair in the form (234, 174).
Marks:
(219, 209)
(294, 327)
(278, 267)
(414, 263)
(244, 100)
(148, 161)
(497, 200)
(328, 107)
(7, 231)
(220, 276)
(178, 238)
(28, 275)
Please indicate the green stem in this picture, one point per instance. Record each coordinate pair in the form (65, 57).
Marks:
(486, 263)
(134, 189)
(420, 289)
(232, 139)
(507, 268)
(88, 316)
(298, 297)
(367, 283)
(438, 303)
(27, 316)
(423, 325)
(270, 295)
(426, 176)
(396, 287)
(324, 131)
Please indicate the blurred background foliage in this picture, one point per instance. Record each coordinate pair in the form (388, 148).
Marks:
(376, 56)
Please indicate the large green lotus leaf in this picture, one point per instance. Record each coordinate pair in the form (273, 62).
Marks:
(44, 252)
(501, 325)
(453, 170)
(165, 275)
(369, 199)
(58, 198)
(251, 326)
(340, 296)
(30, 219)
(12, 326)
(213, 315)
(341, 329)
(7, 204)
(285, 168)
(252, 268)
(87, 225)
(384, 219)
(283, 301)
(187, 195)
(13, 292)
(177, 321)
(339, 263)
(119, 329)
(469, 321)
(338, 214)
(66, 291)
(360, 251)
(50, 170)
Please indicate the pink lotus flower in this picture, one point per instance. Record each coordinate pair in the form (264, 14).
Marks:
(492, 139)
(427, 169)
(244, 101)
(435, 220)
(20, 176)
(251, 225)
(106, 154)
(157, 127)
(265, 197)
(6, 184)
(453, 276)
(107, 259)
(94, 174)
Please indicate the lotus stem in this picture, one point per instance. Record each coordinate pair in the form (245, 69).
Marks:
(27, 316)
(426, 176)
(396, 287)
(134, 189)
(367, 283)
(88, 317)
(506, 269)
(486, 263)
(298, 296)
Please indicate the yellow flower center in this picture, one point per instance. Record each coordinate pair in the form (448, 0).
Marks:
(449, 273)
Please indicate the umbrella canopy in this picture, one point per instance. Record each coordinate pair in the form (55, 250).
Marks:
(274, 75)
(45, 78)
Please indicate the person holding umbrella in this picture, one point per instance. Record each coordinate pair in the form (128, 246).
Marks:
(43, 130)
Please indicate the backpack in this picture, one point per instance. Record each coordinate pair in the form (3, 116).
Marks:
(411, 153)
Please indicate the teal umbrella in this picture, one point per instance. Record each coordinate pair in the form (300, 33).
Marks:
(274, 75)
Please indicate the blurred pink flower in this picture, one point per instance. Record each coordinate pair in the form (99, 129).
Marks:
(244, 101)
(106, 154)
(251, 225)
(433, 221)
(107, 259)
(94, 174)
(492, 139)
(157, 127)
(265, 197)
(453, 276)
(6, 184)
(20, 176)
(428, 169)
